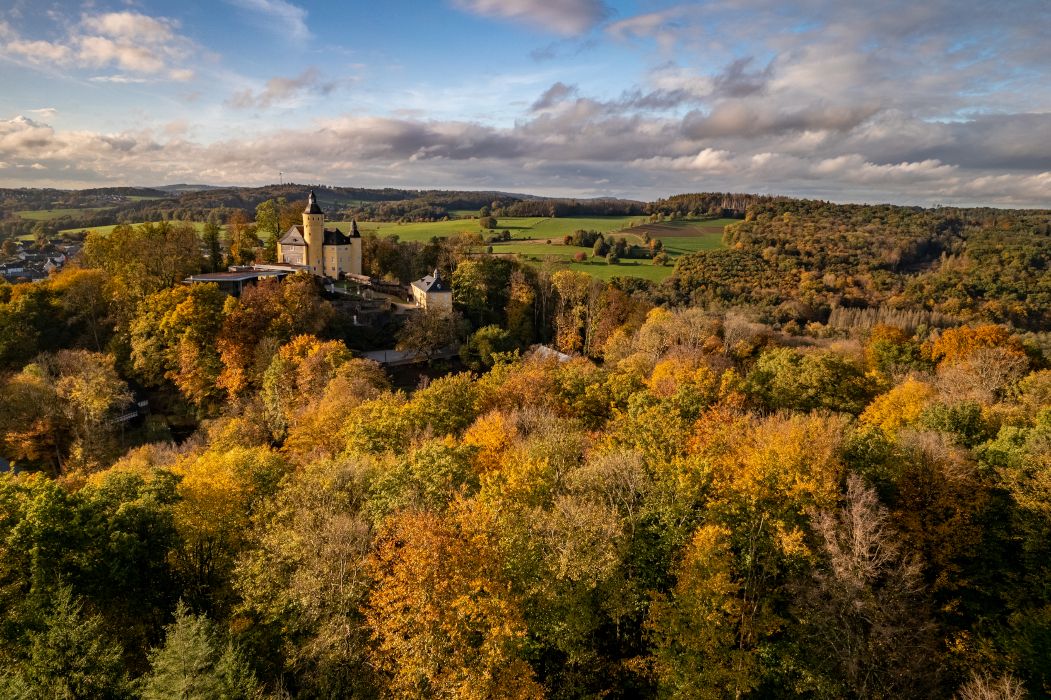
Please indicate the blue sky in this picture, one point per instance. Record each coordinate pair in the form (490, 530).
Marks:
(924, 103)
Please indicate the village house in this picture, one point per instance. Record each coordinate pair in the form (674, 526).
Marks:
(432, 292)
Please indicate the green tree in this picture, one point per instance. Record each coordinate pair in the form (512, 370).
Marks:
(211, 235)
(268, 226)
(485, 345)
(71, 657)
(195, 663)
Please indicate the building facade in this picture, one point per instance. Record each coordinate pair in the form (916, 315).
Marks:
(432, 292)
(324, 252)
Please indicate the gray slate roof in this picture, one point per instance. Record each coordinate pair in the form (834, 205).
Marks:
(293, 236)
(432, 283)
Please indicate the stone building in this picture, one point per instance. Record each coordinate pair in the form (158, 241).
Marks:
(324, 252)
(432, 292)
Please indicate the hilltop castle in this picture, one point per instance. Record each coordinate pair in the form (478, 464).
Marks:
(327, 252)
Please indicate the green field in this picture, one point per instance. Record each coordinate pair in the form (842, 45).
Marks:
(521, 227)
(106, 230)
(49, 214)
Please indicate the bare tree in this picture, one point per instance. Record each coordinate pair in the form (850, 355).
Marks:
(983, 687)
(863, 618)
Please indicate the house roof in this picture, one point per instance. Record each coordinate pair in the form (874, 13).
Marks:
(293, 236)
(432, 283)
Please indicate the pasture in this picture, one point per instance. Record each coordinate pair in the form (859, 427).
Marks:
(49, 214)
(106, 230)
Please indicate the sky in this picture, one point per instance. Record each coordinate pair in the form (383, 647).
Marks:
(920, 102)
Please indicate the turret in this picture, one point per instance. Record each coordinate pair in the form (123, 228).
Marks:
(314, 234)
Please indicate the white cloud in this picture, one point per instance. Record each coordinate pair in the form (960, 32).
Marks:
(136, 44)
(288, 19)
(39, 52)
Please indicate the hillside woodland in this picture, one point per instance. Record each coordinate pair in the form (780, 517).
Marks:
(815, 463)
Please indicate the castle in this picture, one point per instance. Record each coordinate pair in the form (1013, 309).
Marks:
(324, 252)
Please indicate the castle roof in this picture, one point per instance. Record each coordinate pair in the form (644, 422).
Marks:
(432, 283)
(293, 236)
(333, 236)
(312, 207)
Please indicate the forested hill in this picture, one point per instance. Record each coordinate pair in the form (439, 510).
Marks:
(99, 207)
(801, 259)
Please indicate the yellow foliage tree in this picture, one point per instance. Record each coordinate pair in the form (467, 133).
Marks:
(899, 407)
(445, 621)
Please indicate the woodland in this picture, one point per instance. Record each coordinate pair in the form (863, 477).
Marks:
(815, 463)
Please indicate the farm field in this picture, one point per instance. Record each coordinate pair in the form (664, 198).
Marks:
(679, 238)
(521, 227)
(106, 230)
(49, 214)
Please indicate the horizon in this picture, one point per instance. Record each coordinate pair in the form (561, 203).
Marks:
(943, 104)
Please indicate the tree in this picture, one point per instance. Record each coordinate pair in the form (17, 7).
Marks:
(485, 345)
(306, 577)
(174, 337)
(71, 657)
(268, 225)
(266, 316)
(211, 236)
(82, 294)
(600, 248)
(141, 260)
(219, 492)
(195, 663)
(428, 332)
(864, 618)
(243, 240)
(694, 629)
(488, 222)
(444, 619)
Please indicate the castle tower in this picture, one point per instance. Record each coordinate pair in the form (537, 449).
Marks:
(314, 234)
(355, 248)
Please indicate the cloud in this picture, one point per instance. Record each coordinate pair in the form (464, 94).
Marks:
(566, 17)
(554, 95)
(602, 154)
(282, 90)
(758, 118)
(283, 17)
(131, 42)
(44, 112)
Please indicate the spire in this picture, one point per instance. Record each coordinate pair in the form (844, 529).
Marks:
(354, 229)
(312, 207)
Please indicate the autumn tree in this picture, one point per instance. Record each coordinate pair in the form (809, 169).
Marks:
(444, 619)
(306, 575)
(174, 338)
(429, 332)
(694, 629)
(242, 240)
(266, 316)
